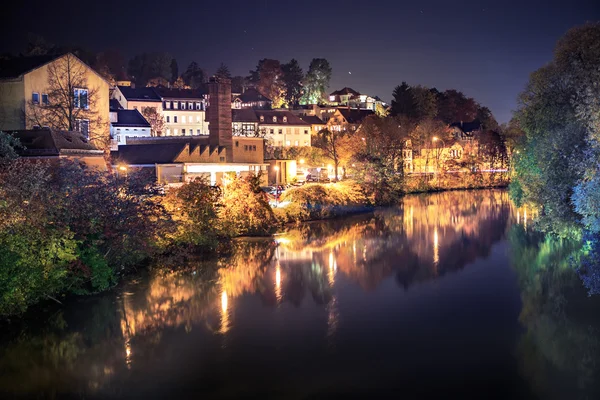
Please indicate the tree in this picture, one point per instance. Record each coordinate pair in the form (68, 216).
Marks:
(454, 106)
(71, 104)
(379, 159)
(174, 71)
(223, 72)
(156, 120)
(180, 84)
(146, 66)
(403, 102)
(292, 79)
(268, 79)
(316, 81)
(157, 81)
(194, 76)
(485, 116)
(334, 145)
(238, 84)
(425, 103)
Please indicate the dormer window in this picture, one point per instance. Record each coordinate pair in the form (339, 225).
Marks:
(262, 118)
(274, 119)
(284, 119)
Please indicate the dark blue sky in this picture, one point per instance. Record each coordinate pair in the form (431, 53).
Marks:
(485, 49)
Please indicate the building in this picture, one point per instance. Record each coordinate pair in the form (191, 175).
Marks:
(244, 122)
(45, 144)
(32, 90)
(344, 119)
(283, 128)
(131, 98)
(466, 130)
(343, 96)
(184, 111)
(127, 124)
(316, 123)
(251, 98)
(180, 159)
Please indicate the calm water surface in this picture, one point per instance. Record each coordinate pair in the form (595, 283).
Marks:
(450, 295)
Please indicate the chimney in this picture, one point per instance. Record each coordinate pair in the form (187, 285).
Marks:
(219, 115)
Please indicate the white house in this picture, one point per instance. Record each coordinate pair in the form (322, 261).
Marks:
(127, 124)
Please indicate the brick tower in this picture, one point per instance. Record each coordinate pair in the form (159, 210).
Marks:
(219, 115)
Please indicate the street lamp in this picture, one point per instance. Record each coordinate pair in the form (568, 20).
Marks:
(124, 169)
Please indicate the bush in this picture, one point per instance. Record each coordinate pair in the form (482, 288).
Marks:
(245, 209)
(321, 201)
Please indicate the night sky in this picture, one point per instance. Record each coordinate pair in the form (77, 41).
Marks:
(485, 49)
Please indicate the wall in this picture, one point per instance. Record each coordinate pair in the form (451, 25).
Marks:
(37, 81)
(12, 102)
(291, 134)
(242, 152)
(128, 131)
(198, 126)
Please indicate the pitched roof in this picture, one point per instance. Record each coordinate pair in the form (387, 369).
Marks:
(53, 143)
(252, 95)
(139, 94)
(243, 115)
(467, 127)
(130, 118)
(354, 116)
(156, 153)
(312, 119)
(114, 105)
(291, 119)
(345, 91)
(171, 93)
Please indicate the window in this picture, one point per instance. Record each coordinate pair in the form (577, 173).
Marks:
(296, 143)
(35, 98)
(175, 132)
(296, 131)
(197, 131)
(272, 131)
(222, 159)
(245, 147)
(183, 131)
(197, 119)
(288, 131)
(183, 119)
(171, 104)
(191, 119)
(287, 143)
(306, 131)
(262, 118)
(174, 105)
(281, 131)
(182, 105)
(175, 118)
(81, 98)
(165, 105)
(306, 143)
(45, 100)
(83, 126)
(168, 131)
(254, 147)
(168, 119)
(237, 143)
(198, 106)
(274, 119)
(284, 119)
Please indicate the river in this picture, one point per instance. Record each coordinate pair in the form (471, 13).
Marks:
(450, 295)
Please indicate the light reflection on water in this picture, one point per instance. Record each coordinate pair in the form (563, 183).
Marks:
(343, 290)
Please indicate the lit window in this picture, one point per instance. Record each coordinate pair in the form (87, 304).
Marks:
(296, 131)
(81, 98)
(287, 143)
(262, 118)
(35, 98)
(175, 132)
(198, 106)
(174, 105)
(197, 118)
(168, 131)
(284, 119)
(183, 119)
(183, 105)
(306, 143)
(296, 143)
(45, 100)
(197, 131)
(83, 126)
(274, 119)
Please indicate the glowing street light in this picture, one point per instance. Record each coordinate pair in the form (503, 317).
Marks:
(302, 161)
